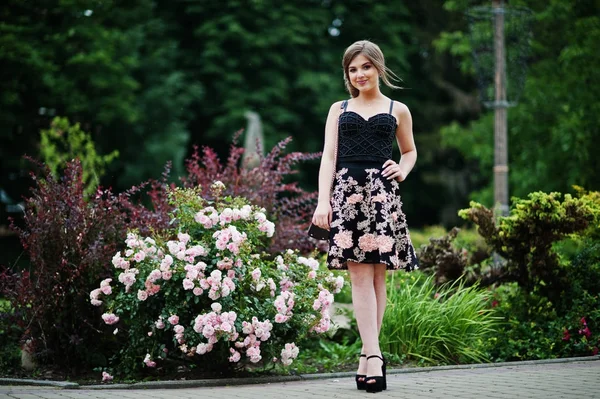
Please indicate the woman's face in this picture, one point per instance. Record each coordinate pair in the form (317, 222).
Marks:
(362, 73)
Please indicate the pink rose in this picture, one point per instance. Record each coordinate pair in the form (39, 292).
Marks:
(178, 329)
(312, 274)
(110, 318)
(139, 256)
(95, 294)
(279, 318)
(233, 247)
(205, 221)
(166, 275)
(226, 216)
(148, 362)
(183, 237)
(174, 319)
(105, 282)
(208, 330)
(106, 290)
(142, 295)
(106, 377)
(235, 356)
(188, 284)
(198, 291)
(226, 327)
(220, 244)
(316, 304)
(166, 263)
(154, 275)
(256, 274)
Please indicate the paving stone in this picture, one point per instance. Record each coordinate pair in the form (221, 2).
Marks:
(515, 381)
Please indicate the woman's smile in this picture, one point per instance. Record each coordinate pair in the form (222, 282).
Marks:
(362, 73)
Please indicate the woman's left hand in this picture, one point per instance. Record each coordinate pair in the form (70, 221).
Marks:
(392, 170)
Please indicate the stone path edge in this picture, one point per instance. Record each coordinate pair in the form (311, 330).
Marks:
(277, 379)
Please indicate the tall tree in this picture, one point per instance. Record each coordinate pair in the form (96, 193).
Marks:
(553, 129)
(105, 64)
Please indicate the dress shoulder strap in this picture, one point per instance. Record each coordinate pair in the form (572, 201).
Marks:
(344, 105)
(391, 106)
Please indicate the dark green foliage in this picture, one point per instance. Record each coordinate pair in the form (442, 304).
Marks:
(526, 236)
(534, 329)
(584, 273)
(110, 66)
(10, 336)
(552, 131)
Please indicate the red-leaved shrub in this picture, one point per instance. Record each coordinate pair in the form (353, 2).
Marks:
(265, 185)
(70, 240)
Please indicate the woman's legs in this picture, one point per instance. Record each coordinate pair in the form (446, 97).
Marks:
(380, 293)
(369, 299)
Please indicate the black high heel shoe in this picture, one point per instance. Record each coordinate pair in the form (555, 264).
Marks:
(361, 385)
(380, 381)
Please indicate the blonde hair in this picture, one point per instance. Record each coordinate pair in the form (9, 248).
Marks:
(375, 55)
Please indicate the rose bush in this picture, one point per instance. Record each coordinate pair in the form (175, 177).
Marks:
(204, 291)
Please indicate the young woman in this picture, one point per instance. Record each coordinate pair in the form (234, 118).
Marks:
(362, 206)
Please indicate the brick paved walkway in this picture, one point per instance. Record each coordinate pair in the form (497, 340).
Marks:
(543, 381)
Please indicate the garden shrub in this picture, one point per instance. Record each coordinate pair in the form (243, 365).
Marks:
(265, 185)
(63, 142)
(437, 324)
(457, 254)
(533, 329)
(70, 240)
(525, 237)
(441, 258)
(203, 291)
(71, 236)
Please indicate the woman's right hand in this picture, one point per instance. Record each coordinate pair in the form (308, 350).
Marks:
(322, 215)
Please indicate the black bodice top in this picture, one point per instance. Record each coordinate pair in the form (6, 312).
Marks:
(362, 139)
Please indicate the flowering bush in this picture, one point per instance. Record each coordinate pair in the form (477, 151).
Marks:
(265, 185)
(201, 289)
(70, 238)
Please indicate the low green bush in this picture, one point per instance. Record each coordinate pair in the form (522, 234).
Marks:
(10, 333)
(326, 356)
(457, 254)
(448, 324)
(533, 329)
(526, 237)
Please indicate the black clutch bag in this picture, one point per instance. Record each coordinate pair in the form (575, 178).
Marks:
(318, 233)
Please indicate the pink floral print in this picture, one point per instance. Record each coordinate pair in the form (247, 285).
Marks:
(368, 225)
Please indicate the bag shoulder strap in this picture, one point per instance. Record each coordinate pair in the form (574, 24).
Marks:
(335, 151)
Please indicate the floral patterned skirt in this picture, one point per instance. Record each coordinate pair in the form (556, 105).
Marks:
(368, 225)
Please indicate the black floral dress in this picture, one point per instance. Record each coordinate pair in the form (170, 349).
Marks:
(368, 225)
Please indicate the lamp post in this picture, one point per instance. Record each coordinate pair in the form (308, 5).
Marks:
(500, 117)
(497, 34)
